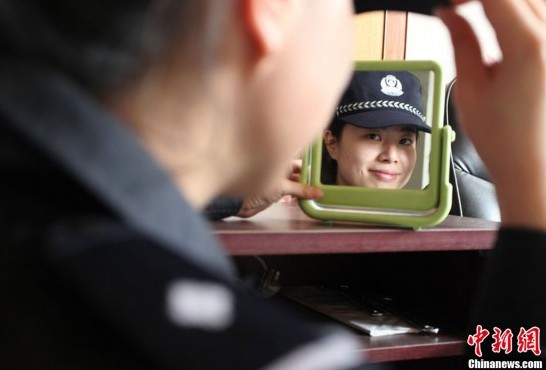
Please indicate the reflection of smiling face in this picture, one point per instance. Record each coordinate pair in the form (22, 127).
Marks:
(375, 158)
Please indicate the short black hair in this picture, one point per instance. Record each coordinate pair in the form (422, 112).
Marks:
(96, 42)
(328, 170)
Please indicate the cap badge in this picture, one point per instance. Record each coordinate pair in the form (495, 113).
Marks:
(391, 86)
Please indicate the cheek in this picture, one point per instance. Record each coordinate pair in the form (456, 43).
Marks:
(356, 156)
(409, 159)
(365, 153)
(304, 86)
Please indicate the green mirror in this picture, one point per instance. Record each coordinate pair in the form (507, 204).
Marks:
(384, 159)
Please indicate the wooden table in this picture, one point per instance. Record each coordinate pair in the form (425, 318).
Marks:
(284, 230)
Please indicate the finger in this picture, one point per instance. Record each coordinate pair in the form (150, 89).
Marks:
(288, 199)
(468, 59)
(295, 177)
(296, 166)
(513, 21)
(296, 163)
(539, 7)
(301, 191)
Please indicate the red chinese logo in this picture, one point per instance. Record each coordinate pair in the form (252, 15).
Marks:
(503, 340)
(477, 339)
(527, 340)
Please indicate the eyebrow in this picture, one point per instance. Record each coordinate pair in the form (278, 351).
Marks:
(407, 129)
(399, 128)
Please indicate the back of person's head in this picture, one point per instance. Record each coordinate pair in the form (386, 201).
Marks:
(104, 44)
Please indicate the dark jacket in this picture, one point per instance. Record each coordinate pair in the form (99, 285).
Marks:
(223, 207)
(103, 265)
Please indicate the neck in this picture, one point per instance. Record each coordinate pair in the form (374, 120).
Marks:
(192, 154)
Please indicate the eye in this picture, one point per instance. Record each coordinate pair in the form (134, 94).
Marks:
(406, 141)
(373, 136)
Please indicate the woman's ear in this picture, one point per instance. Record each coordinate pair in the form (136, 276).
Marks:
(330, 141)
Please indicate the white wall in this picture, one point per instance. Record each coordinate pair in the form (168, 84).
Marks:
(428, 38)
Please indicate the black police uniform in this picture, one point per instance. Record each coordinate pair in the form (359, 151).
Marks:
(103, 264)
(222, 207)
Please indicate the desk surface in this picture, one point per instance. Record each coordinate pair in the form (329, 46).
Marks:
(410, 347)
(285, 229)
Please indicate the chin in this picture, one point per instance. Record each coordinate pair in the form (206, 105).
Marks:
(258, 183)
(240, 189)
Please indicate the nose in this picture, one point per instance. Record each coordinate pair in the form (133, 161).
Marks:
(389, 153)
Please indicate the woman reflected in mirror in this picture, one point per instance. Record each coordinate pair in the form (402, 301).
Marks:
(371, 142)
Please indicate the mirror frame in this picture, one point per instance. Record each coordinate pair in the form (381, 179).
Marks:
(414, 208)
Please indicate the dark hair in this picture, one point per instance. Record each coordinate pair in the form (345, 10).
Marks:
(328, 170)
(101, 44)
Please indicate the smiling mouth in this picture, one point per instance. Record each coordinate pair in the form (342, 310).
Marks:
(385, 175)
